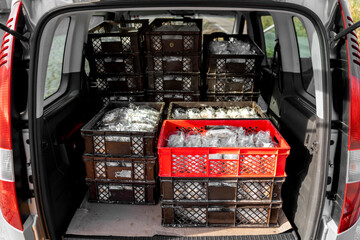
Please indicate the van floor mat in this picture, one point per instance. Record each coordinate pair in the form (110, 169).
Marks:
(97, 219)
(281, 236)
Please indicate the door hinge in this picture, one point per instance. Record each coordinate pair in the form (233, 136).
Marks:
(331, 195)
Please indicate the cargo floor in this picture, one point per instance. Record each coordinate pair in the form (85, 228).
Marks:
(145, 221)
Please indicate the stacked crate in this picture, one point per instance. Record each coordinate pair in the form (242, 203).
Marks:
(200, 190)
(121, 166)
(215, 105)
(173, 59)
(114, 52)
(232, 77)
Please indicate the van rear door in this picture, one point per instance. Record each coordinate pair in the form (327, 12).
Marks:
(343, 202)
(15, 194)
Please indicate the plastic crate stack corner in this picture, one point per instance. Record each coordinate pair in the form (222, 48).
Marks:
(114, 52)
(121, 166)
(201, 189)
(230, 76)
(173, 59)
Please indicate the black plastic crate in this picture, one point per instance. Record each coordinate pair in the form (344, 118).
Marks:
(175, 41)
(115, 64)
(219, 83)
(232, 63)
(167, 97)
(119, 83)
(105, 191)
(116, 143)
(122, 36)
(215, 105)
(103, 98)
(173, 63)
(220, 215)
(173, 82)
(232, 97)
(248, 190)
(131, 170)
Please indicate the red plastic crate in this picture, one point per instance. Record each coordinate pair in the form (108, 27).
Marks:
(195, 162)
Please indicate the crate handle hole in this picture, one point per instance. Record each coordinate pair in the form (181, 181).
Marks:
(276, 140)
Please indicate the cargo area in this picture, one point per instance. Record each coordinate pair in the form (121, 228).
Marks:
(126, 220)
(99, 181)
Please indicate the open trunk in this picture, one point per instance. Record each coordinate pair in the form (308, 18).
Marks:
(293, 95)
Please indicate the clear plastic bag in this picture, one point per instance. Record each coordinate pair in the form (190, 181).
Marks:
(220, 131)
(230, 141)
(252, 113)
(142, 127)
(225, 136)
(133, 118)
(193, 139)
(144, 114)
(193, 113)
(246, 140)
(222, 136)
(176, 139)
(234, 47)
(263, 139)
(114, 116)
(210, 141)
(207, 112)
(179, 113)
(244, 113)
(239, 47)
(210, 112)
(149, 110)
(216, 47)
(240, 131)
(233, 112)
(221, 113)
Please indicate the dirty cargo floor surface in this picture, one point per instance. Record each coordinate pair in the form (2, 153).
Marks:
(145, 221)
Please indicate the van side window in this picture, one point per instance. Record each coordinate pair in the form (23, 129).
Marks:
(268, 26)
(245, 30)
(305, 56)
(56, 56)
(95, 20)
(217, 23)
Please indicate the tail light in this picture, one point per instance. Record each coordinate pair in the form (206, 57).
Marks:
(351, 207)
(351, 210)
(8, 200)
